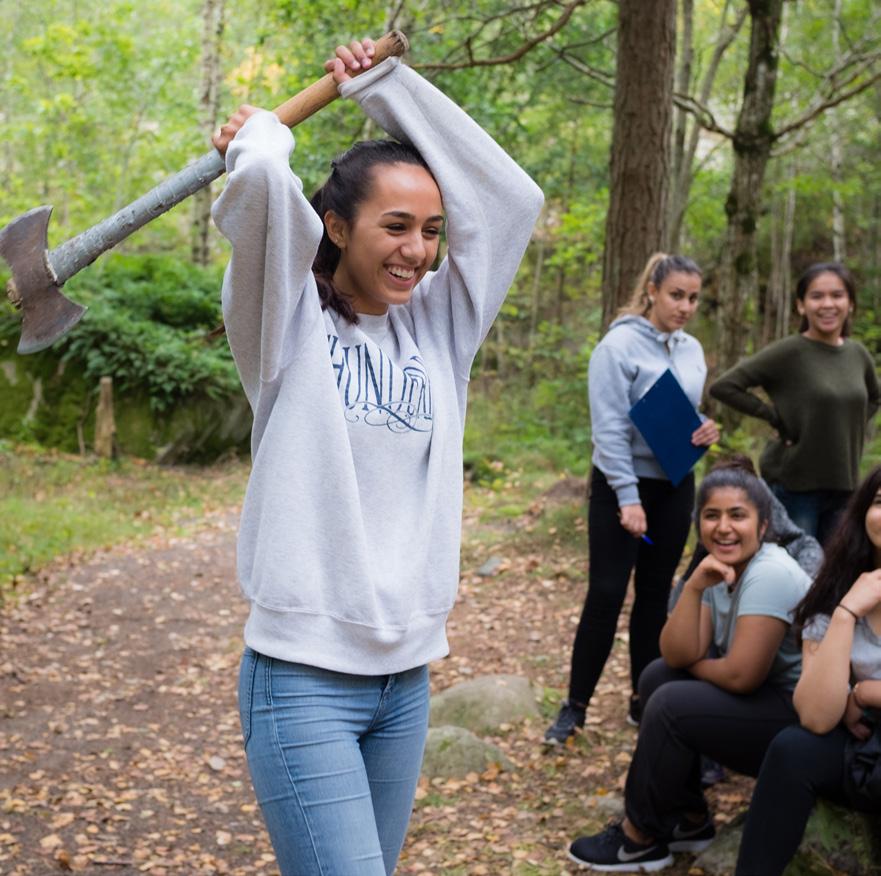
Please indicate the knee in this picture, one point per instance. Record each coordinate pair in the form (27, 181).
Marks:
(656, 674)
(790, 752)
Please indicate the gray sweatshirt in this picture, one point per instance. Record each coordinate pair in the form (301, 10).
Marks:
(348, 547)
(632, 355)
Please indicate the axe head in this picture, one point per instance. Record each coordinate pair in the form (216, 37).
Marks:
(46, 314)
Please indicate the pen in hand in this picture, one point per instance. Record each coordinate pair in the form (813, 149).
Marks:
(647, 540)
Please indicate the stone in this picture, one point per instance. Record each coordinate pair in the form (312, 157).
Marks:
(836, 840)
(453, 752)
(490, 567)
(483, 704)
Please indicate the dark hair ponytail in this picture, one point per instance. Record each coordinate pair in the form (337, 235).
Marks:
(349, 183)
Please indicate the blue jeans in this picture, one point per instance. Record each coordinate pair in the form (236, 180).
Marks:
(815, 512)
(334, 760)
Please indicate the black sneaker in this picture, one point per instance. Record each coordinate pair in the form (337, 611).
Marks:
(612, 852)
(711, 773)
(691, 837)
(569, 720)
(634, 712)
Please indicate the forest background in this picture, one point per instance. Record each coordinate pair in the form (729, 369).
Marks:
(757, 153)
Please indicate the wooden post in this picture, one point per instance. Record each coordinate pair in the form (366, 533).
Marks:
(105, 426)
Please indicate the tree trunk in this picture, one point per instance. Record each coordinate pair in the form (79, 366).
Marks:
(105, 424)
(779, 298)
(685, 166)
(640, 161)
(212, 35)
(837, 153)
(753, 137)
(677, 198)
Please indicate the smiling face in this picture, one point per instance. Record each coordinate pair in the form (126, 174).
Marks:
(729, 527)
(674, 303)
(826, 307)
(393, 239)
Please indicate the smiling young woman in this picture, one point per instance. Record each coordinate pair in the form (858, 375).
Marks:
(838, 696)
(823, 391)
(355, 356)
(730, 707)
(630, 495)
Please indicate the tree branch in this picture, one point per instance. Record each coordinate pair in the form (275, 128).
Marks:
(511, 57)
(831, 101)
(703, 116)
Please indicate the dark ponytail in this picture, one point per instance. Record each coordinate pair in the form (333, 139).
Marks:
(349, 184)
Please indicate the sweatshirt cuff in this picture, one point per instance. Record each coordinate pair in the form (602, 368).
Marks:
(628, 495)
(354, 87)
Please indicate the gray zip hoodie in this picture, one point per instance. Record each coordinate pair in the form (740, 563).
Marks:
(624, 365)
(348, 547)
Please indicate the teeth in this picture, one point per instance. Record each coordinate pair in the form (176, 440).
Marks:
(402, 273)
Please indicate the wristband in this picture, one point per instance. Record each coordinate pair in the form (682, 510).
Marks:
(850, 611)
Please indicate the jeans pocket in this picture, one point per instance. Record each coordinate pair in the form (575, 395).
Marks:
(247, 675)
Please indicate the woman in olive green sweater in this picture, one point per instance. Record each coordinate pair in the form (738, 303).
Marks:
(823, 391)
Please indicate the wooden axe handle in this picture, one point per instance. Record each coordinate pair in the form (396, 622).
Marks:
(73, 255)
(319, 94)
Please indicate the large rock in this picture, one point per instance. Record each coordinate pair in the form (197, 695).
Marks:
(484, 704)
(836, 840)
(453, 752)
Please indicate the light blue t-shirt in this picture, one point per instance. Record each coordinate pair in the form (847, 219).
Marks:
(772, 585)
(865, 653)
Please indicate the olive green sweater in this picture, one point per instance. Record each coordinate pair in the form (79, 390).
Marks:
(821, 400)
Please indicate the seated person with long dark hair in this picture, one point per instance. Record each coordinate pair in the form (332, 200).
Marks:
(838, 695)
(740, 598)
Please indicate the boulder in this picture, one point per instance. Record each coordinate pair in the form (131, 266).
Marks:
(836, 840)
(483, 704)
(453, 752)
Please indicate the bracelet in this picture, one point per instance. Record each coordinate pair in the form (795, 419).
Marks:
(850, 611)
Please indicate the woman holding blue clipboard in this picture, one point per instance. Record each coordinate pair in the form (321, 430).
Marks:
(637, 516)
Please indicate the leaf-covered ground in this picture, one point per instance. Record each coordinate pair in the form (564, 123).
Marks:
(119, 740)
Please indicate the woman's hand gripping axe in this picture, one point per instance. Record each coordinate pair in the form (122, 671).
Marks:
(38, 274)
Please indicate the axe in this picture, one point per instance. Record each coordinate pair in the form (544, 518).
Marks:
(38, 274)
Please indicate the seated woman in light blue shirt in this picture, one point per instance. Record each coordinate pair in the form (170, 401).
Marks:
(740, 599)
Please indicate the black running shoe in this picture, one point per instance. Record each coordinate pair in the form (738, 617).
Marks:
(634, 711)
(691, 837)
(568, 722)
(612, 852)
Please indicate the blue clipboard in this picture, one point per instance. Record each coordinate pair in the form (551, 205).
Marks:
(666, 419)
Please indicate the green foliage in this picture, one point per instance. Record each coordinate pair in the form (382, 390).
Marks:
(146, 327)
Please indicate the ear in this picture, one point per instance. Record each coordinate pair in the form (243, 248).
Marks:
(651, 291)
(337, 229)
(762, 530)
(799, 306)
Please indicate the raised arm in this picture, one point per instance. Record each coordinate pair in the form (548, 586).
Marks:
(686, 636)
(491, 205)
(274, 234)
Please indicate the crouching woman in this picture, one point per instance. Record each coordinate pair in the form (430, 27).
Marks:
(741, 597)
(838, 697)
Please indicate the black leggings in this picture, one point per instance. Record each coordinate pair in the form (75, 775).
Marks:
(799, 767)
(682, 719)
(613, 554)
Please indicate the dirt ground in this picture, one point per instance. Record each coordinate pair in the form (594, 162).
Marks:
(119, 740)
